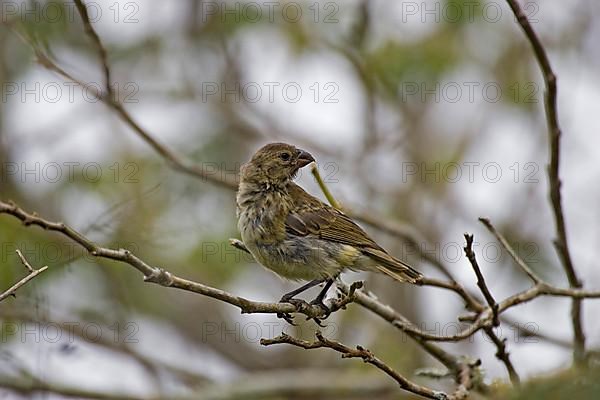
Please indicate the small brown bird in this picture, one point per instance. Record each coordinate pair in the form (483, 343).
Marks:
(296, 235)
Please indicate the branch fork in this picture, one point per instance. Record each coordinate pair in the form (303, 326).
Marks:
(32, 274)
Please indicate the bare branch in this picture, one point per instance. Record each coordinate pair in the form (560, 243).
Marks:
(164, 278)
(359, 352)
(501, 353)
(89, 30)
(532, 275)
(555, 133)
(503, 356)
(480, 279)
(481, 321)
(155, 274)
(32, 274)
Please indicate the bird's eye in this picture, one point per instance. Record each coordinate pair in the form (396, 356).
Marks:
(285, 156)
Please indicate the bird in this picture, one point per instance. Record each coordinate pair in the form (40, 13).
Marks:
(296, 235)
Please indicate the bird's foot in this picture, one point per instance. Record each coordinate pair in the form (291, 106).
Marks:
(327, 311)
(298, 303)
(288, 318)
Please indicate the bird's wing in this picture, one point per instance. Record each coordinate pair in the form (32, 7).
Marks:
(328, 224)
(310, 216)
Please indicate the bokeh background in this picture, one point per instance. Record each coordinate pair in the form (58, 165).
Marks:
(429, 114)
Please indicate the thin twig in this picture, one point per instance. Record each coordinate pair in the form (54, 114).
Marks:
(531, 332)
(503, 355)
(532, 275)
(480, 279)
(483, 320)
(314, 169)
(501, 352)
(359, 352)
(555, 133)
(32, 274)
(91, 32)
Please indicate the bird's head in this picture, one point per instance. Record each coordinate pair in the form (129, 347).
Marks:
(275, 164)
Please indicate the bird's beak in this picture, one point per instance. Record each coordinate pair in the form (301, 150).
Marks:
(304, 158)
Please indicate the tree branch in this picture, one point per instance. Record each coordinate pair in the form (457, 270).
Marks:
(159, 276)
(501, 354)
(555, 133)
(155, 274)
(480, 279)
(165, 278)
(32, 274)
(359, 352)
(91, 32)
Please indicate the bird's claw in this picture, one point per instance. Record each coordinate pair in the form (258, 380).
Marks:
(300, 305)
(287, 317)
(319, 302)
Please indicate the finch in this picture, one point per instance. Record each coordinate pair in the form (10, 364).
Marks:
(296, 235)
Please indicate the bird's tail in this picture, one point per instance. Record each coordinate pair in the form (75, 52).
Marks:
(391, 266)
